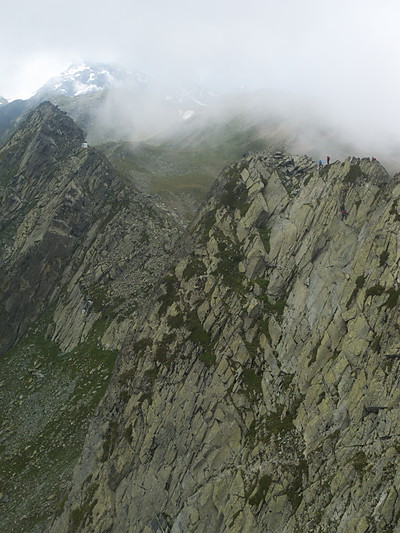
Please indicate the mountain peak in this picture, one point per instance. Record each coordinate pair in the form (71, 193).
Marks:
(83, 78)
(48, 119)
(47, 134)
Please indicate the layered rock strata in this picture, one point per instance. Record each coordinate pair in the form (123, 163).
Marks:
(80, 250)
(259, 392)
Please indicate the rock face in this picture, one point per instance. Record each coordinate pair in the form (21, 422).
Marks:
(80, 250)
(70, 224)
(259, 392)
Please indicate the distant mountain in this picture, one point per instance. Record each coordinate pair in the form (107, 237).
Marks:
(3, 101)
(181, 167)
(90, 78)
(10, 114)
(111, 103)
(190, 99)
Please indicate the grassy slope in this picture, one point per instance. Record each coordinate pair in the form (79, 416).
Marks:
(188, 163)
(40, 440)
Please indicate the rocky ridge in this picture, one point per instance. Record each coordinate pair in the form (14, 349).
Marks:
(80, 249)
(260, 390)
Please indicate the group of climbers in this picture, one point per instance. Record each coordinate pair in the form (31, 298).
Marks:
(320, 164)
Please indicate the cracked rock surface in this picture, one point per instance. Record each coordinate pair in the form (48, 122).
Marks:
(260, 390)
(80, 250)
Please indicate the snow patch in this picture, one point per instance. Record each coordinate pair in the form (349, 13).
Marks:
(81, 88)
(185, 115)
(198, 101)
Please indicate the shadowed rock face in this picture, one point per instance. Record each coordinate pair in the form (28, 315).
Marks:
(260, 392)
(80, 250)
(57, 200)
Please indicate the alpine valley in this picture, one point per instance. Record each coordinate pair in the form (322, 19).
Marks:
(199, 330)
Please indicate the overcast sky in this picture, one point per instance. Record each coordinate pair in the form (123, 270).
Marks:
(342, 54)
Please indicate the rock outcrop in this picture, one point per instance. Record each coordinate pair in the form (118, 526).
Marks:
(80, 250)
(259, 392)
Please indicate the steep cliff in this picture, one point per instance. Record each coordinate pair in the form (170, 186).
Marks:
(260, 391)
(80, 250)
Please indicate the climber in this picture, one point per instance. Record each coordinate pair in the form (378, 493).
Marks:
(328, 159)
(344, 214)
(373, 159)
(320, 163)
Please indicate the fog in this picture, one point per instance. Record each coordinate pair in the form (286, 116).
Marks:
(336, 62)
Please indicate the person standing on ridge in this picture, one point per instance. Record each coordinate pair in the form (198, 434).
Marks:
(320, 163)
(328, 159)
(344, 214)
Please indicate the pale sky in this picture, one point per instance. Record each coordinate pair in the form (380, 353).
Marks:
(342, 54)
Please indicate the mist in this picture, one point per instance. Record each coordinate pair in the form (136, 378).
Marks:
(280, 119)
(335, 63)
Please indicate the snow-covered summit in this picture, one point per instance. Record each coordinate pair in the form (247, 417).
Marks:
(3, 101)
(85, 78)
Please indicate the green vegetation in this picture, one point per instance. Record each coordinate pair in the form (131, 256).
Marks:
(376, 290)
(195, 183)
(287, 380)
(46, 437)
(197, 333)
(294, 491)
(393, 210)
(186, 165)
(170, 287)
(7, 175)
(115, 208)
(208, 357)
(138, 349)
(141, 345)
(313, 353)
(275, 423)
(383, 258)
(98, 295)
(323, 171)
(265, 238)
(162, 354)
(376, 344)
(263, 485)
(230, 257)
(392, 298)
(277, 308)
(360, 462)
(105, 303)
(360, 282)
(175, 321)
(79, 516)
(263, 327)
(201, 337)
(235, 192)
(208, 222)
(353, 173)
(195, 267)
(7, 233)
(251, 382)
(109, 440)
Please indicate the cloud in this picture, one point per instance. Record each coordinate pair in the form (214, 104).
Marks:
(342, 56)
